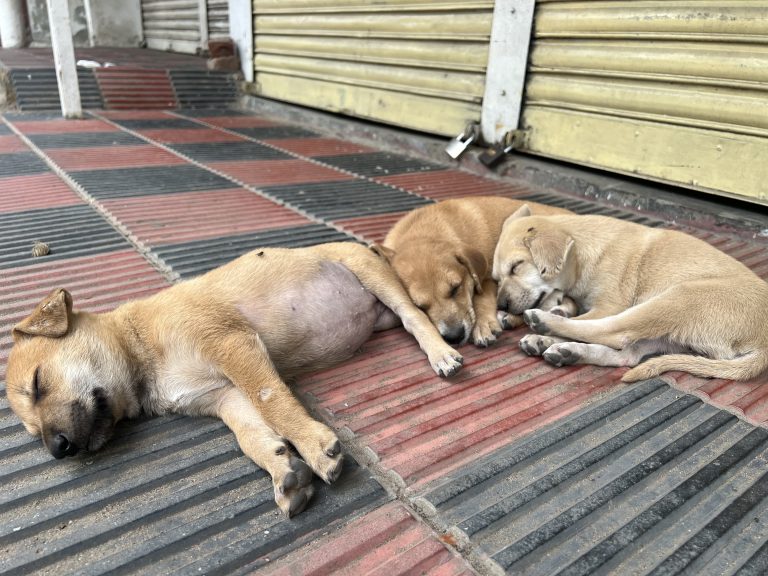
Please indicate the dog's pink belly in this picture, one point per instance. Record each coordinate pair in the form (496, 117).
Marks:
(318, 323)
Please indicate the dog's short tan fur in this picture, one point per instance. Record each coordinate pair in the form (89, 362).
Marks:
(442, 254)
(219, 345)
(645, 292)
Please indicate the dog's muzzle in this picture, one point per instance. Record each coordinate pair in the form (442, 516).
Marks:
(61, 446)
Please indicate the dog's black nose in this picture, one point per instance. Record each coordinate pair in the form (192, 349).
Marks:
(454, 335)
(502, 303)
(60, 446)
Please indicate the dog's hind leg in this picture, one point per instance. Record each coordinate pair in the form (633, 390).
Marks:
(567, 353)
(377, 276)
(291, 477)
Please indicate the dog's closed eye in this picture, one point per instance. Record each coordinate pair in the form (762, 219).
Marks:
(513, 268)
(36, 390)
(454, 291)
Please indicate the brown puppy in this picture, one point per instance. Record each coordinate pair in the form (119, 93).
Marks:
(219, 345)
(442, 254)
(645, 291)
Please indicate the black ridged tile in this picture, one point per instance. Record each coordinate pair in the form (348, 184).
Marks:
(165, 494)
(379, 163)
(158, 124)
(124, 182)
(275, 132)
(648, 480)
(345, 199)
(84, 139)
(37, 89)
(69, 231)
(197, 113)
(20, 164)
(223, 151)
(4, 130)
(193, 258)
(203, 89)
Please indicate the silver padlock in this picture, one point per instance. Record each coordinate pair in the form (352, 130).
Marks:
(457, 146)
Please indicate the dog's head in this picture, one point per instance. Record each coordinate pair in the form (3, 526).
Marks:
(66, 379)
(531, 260)
(441, 278)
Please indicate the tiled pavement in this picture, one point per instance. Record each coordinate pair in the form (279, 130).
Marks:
(512, 465)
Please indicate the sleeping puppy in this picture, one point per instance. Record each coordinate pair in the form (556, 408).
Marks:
(655, 300)
(222, 345)
(442, 254)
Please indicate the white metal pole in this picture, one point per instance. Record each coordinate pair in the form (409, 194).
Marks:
(241, 32)
(11, 23)
(507, 64)
(64, 58)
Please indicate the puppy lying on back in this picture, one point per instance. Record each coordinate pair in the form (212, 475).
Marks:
(219, 345)
(645, 292)
(443, 253)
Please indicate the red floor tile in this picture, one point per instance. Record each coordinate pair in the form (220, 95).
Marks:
(275, 172)
(444, 184)
(62, 126)
(237, 121)
(370, 228)
(21, 193)
(176, 218)
(12, 143)
(387, 541)
(135, 114)
(105, 157)
(319, 146)
(184, 135)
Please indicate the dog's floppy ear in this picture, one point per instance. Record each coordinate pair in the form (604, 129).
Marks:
(474, 261)
(521, 212)
(383, 251)
(50, 318)
(549, 248)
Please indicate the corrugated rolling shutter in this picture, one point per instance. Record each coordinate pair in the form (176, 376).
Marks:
(172, 25)
(412, 63)
(670, 90)
(218, 18)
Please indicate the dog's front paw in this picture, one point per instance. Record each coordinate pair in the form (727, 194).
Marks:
(563, 354)
(321, 449)
(485, 332)
(447, 362)
(508, 321)
(535, 319)
(293, 486)
(535, 345)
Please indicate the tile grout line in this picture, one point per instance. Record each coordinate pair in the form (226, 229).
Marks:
(157, 263)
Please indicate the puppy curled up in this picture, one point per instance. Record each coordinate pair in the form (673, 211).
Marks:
(651, 299)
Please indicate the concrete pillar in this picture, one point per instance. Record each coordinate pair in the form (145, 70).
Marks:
(64, 58)
(12, 23)
(241, 32)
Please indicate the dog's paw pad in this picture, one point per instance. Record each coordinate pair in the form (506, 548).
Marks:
(535, 320)
(293, 487)
(560, 311)
(535, 345)
(560, 355)
(508, 321)
(448, 363)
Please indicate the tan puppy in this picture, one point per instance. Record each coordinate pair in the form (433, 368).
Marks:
(219, 345)
(646, 292)
(442, 254)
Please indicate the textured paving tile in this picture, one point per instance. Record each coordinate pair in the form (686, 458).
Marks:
(175, 218)
(647, 481)
(84, 139)
(53, 123)
(163, 123)
(379, 163)
(123, 182)
(184, 135)
(189, 259)
(243, 150)
(23, 193)
(11, 143)
(318, 146)
(75, 159)
(273, 172)
(69, 231)
(274, 132)
(19, 163)
(337, 200)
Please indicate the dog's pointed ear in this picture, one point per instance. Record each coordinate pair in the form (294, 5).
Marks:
(383, 251)
(521, 212)
(549, 249)
(474, 261)
(50, 318)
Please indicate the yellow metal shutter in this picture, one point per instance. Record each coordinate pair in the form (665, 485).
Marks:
(417, 64)
(670, 90)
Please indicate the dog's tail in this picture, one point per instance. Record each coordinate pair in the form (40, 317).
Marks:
(742, 368)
